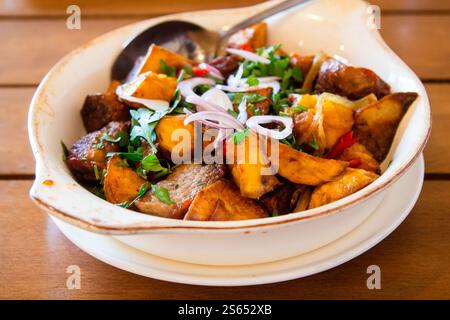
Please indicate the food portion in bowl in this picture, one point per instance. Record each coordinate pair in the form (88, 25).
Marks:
(254, 133)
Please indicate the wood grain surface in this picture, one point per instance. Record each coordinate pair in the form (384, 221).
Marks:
(414, 260)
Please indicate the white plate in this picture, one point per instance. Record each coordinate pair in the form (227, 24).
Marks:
(394, 209)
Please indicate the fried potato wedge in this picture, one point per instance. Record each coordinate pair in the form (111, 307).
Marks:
(302, 168)
(149, 85)
(377, 123)
(337, 120)
(248, 167)
(358, 151)
(156, 53)
(221, 201)
(351, 181)
(254, 36)
(121, 183)
(166, 135)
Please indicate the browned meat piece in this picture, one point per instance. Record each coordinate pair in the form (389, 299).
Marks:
(261, 107)
(353, 83)
(183, 184)
(88, 152)
(100, 109)
(221, 201)
(303, 62)
(377, 123)
(279, 200)
(225, 64)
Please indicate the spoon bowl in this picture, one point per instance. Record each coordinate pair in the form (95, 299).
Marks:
(185, 38)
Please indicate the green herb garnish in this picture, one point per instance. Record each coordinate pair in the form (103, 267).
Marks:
(313, 144)
(169, 71)
(252, 81)
(142, 191)
(300, 108)
(239, 136)
(162, 194)
(96, 173)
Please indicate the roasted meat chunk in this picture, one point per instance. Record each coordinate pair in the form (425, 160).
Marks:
(100, 109)
(353, 83)
(225, 64)
(279, 201)
(87, 157)
(258, 101)
(183, 184)
(221, 201)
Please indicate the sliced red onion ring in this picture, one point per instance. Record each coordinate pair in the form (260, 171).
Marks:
(203, 105)
(248, 55)
(187, 86)
(255, 122)
(214, 71)
(235, 89)
(224, 120)
(216, 96)
(234, 80)
(243, 81)
(242, 108)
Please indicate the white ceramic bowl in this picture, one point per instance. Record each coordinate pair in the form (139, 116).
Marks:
(337, 27)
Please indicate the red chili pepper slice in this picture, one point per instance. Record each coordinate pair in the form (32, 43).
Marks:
(344, 142)
(353, 163)
(246, 47)
(199, 72)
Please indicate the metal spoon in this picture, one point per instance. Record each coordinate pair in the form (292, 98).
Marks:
(185, 38)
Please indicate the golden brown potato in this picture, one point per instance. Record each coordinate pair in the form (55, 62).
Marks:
(377, 123)
(166, 126)
(358, 151)
(246, 173)
(254, 36)
(121, 183)
(302, 168)
(150, 85)
(156, 53)
(337, 120)
(352, 181)
(221, 201)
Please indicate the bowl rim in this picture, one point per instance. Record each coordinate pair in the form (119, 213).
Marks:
(172, 224)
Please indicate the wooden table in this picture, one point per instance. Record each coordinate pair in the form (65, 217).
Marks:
(34, 255)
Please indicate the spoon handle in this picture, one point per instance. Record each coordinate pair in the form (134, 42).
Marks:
(260, 16)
